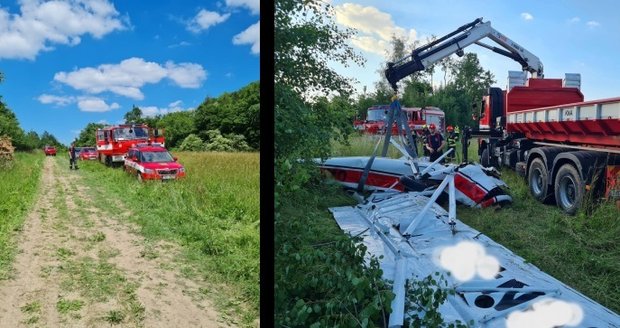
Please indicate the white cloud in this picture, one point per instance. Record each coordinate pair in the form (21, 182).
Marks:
(94, 104)
(466, 259)
(150, 111)
(593, 24)
(186, 75)
(253, 5)
(180, 44)
(127, 77)
(40, 25)
(56, 100)
(527, 16)
(251, 35)
(574, 20)
(376, 27)
(205, 19)
(547, 313)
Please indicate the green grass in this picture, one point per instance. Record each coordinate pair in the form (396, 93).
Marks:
(33, 310)
(583, 251)
(114, 317)
(213, 213)
(18, 188)
(67, 306)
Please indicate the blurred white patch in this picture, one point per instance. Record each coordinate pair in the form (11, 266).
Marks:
(466, 259)
(547, 313)
(527, 16)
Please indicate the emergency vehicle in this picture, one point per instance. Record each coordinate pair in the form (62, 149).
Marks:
(152, 162)
(417, 117)
(113, 142)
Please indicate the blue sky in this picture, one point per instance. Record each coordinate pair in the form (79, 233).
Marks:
(70, 62)
(569, 36)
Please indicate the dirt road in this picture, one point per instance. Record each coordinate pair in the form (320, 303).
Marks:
(80, 265)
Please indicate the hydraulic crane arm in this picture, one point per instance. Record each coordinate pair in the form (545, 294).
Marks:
(454, 42)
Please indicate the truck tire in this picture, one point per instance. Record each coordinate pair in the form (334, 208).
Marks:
(108, 161)
(569, 189)
(485, 159)
(538, 180)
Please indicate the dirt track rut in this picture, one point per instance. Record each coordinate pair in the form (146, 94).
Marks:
(78, 265)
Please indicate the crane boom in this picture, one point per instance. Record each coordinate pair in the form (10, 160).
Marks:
(454, 42)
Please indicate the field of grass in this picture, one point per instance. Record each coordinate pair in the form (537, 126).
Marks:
(582, 251)
(213, 213)
(18, 186)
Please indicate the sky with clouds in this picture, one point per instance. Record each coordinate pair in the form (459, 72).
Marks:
(569, 36)
(70, 62)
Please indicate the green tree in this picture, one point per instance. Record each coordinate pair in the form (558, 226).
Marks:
(177, 125)
(192, 143)
(134, 115)
(306, 39)
(469, 81)
(87, 138)
(32, 140)
(49, 139)
(232, 113)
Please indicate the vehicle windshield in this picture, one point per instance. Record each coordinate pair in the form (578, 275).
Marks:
(130, 133)
(88, 150)
(156, 157)
(376, 115)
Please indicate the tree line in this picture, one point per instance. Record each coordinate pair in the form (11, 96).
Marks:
(230, 122)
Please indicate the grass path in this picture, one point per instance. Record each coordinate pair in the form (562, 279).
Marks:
(79, 265)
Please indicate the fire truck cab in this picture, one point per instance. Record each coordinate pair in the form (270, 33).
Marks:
(113, 142)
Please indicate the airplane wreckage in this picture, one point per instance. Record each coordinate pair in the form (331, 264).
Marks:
(413, 237)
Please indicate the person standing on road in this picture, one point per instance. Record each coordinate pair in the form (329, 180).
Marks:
(435, 143)
(72, 158)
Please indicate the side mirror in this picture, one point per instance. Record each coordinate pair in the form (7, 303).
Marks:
(175, 159)
(135, 159)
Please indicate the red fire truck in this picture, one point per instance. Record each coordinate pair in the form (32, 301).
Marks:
(416, 118)
(113, 142)
(540, 127)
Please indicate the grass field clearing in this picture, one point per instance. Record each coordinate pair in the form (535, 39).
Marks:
(213, 213)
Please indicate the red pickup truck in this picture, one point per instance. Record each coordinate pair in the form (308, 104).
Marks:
(49, 151)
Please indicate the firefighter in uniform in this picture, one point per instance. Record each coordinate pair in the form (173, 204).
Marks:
(451, 139)
(435, 143)
(425, 134)
(72, 158)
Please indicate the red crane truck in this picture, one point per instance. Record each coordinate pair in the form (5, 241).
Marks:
(113, 142)
(540, 127)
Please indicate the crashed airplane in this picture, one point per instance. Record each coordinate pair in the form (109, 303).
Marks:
(413, 237)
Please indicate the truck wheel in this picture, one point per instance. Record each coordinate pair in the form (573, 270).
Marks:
(569, 189)
(487, 160)
(108, 161)
(538, 180)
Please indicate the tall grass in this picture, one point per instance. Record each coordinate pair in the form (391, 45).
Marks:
(583, 251)
(18, 187)
(213, 212)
